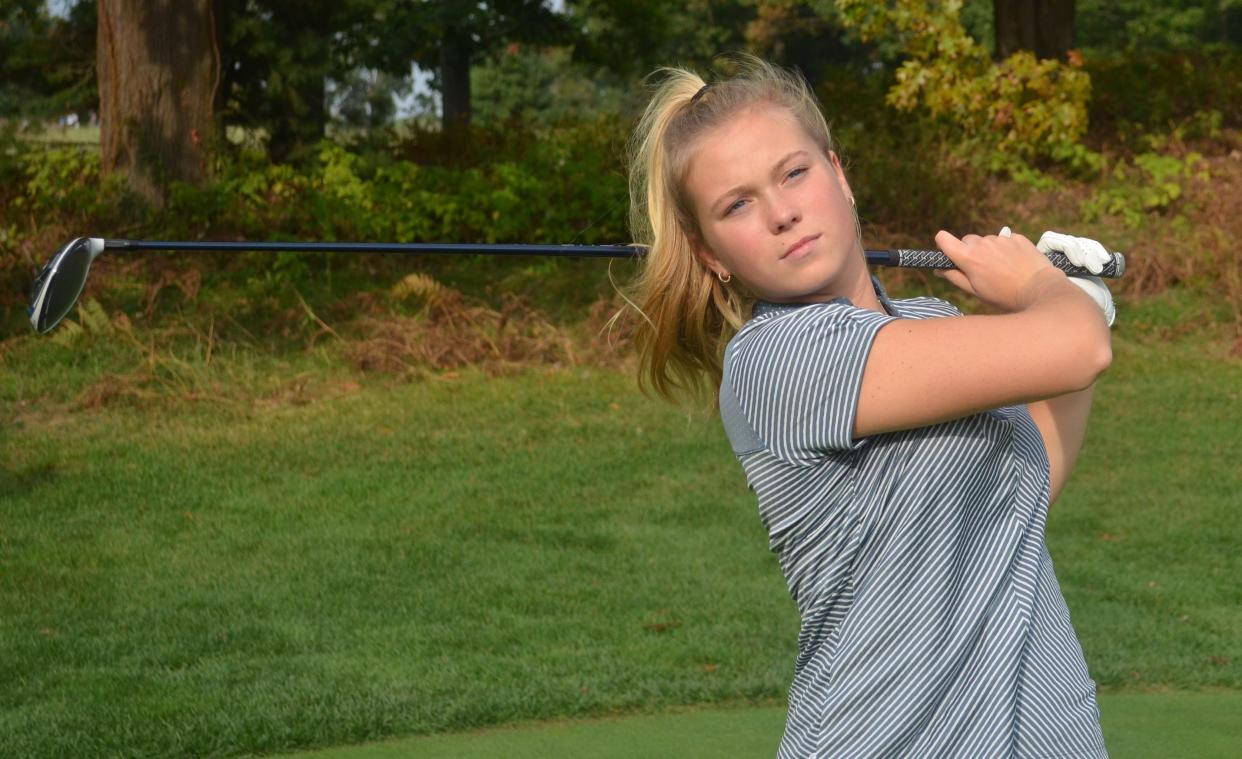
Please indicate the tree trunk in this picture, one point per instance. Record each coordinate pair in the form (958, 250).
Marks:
(455, 79)
(1045, 27)
(158, 67)
(305, 117)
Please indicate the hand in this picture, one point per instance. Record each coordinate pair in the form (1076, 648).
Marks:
(1089, 254)
(1005, 271)
(1081, 251)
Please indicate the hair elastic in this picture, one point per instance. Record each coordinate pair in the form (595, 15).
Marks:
(699, 94)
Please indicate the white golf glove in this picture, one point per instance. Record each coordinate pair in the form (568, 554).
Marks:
(1090, 255)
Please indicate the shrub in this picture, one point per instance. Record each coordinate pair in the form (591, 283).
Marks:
(1014, 113)
(1189, 90)
(1150, 184)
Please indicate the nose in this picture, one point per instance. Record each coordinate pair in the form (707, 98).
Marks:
(784, 215)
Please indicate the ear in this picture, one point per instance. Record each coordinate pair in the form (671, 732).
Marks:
(835, 162)
(706, 256)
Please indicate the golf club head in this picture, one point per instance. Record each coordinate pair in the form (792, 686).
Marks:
(60, 283)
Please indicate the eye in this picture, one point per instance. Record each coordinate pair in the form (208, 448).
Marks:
(796, 172)
(736, 205)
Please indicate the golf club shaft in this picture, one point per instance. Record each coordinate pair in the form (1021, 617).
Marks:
(919, 259)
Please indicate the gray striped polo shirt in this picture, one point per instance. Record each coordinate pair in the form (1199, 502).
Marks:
(932, 623)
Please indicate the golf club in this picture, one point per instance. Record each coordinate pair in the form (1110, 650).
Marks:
(60, 282)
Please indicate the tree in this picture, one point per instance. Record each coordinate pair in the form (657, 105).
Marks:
(278, 56)
(365, 98)
(804, 35)
(1134, 26)
(47, 63)
(1044, 27)
(631, 38)
(158, 68)
(449, 36)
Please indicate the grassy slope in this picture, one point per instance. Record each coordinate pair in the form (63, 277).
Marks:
(224, 578)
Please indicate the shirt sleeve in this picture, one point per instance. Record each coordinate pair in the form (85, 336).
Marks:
(797, 376)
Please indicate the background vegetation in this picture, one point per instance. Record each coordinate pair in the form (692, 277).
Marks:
(1132, 137)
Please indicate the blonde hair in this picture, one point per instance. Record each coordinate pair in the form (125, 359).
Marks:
(687, 315)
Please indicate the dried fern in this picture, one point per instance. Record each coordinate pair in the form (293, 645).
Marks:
(420, 286)
(93, 318)
(67, 333)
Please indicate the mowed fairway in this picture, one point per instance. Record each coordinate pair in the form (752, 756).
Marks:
(189, 579)
(1138, 726)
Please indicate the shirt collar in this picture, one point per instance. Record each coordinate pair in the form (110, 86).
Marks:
(763, 307)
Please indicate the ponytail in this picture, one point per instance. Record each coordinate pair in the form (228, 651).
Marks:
(686, 314)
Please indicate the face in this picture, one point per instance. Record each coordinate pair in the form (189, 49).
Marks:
(773, 209)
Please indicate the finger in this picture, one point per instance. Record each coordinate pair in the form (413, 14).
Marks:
(956, 250)
(1095, 255)
(957, 279)
(950, 245)
(1054, 242)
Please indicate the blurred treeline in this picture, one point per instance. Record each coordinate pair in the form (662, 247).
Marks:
(1113, 117)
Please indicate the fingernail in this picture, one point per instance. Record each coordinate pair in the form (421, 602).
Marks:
(1005, 232)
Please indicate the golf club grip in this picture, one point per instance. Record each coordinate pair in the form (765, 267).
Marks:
(934, 259)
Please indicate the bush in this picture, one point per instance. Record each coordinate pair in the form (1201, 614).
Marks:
(1014, 113)
(1177, 88)
(560, 185)
(1151, 184)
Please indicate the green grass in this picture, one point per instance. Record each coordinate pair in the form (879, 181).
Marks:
(80, 135)
(1136, 726)
(345, 559)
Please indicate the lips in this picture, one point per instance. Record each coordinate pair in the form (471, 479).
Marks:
(800, 247)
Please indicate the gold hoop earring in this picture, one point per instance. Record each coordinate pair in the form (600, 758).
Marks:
(724, 278)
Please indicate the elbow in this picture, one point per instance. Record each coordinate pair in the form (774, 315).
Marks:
(1095, 356)
(1103, 358)
(1105, 354)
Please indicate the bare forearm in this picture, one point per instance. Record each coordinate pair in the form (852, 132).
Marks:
(1063, 423)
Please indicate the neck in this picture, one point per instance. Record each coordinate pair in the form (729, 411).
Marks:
(858, 286)
(864, 295)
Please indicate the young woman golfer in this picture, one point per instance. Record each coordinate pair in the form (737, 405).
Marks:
(904, 456)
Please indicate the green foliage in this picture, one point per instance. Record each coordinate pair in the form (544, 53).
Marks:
(537, 87)
(364, 99)
(560, 185)
(1135, 95)
(632, 38)
(895, 184)
(552, 188)
(64, 181)
(1015, 112)
(1150, 183)
(1137, 28)
(47, 63)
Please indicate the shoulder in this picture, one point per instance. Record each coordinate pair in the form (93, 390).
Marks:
(787, 327)
(924, 307)
(791, 377)
(792, 351)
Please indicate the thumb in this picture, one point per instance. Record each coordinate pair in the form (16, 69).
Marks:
(951, 245)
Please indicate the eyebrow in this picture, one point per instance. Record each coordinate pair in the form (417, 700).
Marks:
(715, 207)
